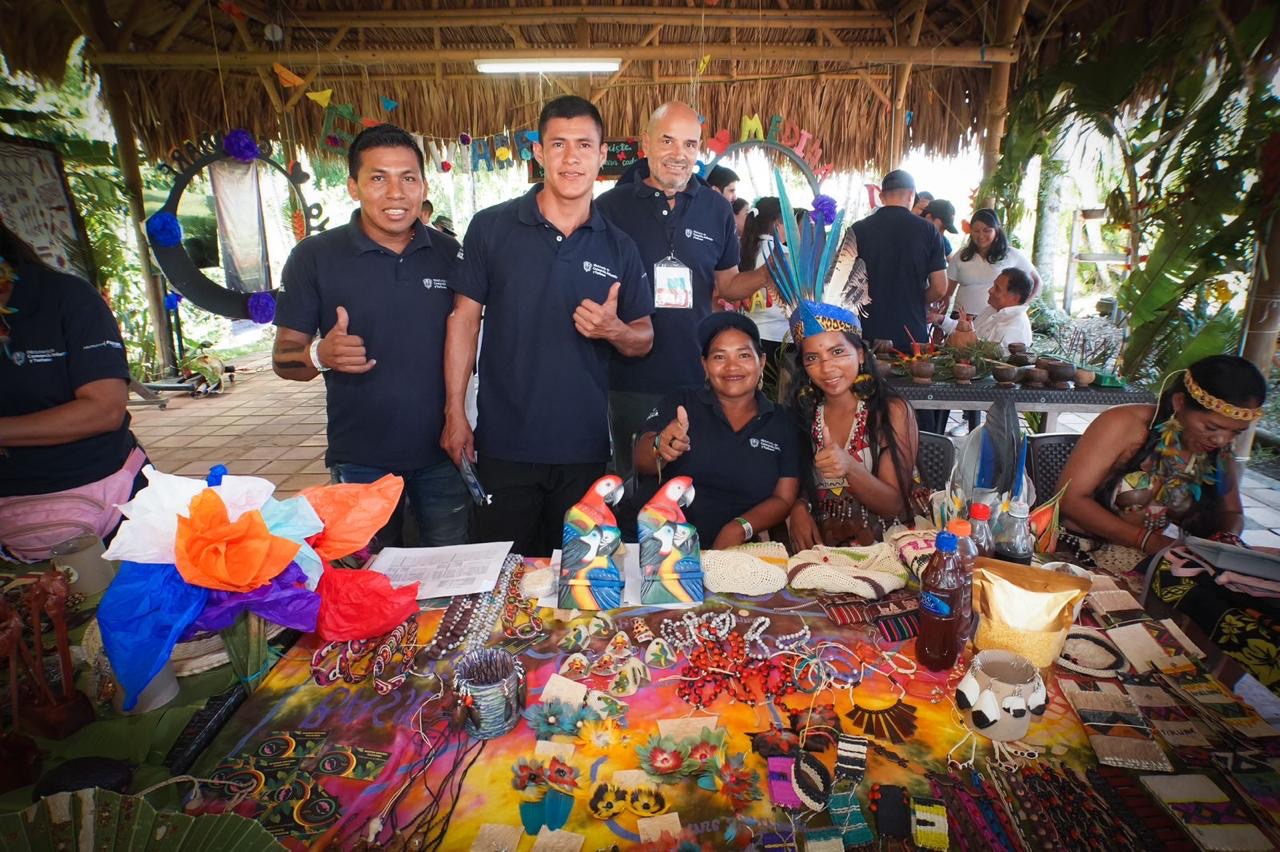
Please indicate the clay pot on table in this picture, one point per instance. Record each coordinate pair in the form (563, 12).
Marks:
(883, 368)
(1084, 378)
(922, 372)
(1044, 362)
(1035, 377)
(1017, 348)
(882, 347)
(1061, 371)
(964, 373)
(1020, 359)
(1006, 376)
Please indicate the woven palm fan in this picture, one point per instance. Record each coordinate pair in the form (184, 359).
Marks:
(102, 820)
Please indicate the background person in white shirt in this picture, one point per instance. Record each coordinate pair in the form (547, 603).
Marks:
(973, 269)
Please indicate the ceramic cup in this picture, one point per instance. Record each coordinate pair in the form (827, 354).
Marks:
(999, 695)
(81, 558)
(162, 689)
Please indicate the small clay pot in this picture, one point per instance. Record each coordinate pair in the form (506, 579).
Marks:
(1020, 359)
(1084, 378)
(1043, 362)
(964, 373)
(1061, 372)
(922, 372)
(1005, 375)
(883, 368)
(1035, 376)
(882, 347)
(1017, 348)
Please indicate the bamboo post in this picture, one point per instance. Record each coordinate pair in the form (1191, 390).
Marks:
(127, 157)
(1262, 315)
(1011, 14)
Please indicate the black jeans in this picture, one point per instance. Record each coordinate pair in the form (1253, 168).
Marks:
(529, 502)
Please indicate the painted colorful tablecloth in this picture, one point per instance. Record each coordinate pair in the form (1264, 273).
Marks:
(328, 763)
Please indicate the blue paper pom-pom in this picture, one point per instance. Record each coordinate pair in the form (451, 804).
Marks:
(240, 145)
(172, 300)
(825, 206)
(216, 473)
(262, 308)
(164, 230)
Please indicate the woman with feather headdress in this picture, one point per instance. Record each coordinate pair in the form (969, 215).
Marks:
(863, 435)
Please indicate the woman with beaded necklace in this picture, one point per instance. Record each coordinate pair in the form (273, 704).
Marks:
(1140, 468)
(863, 435)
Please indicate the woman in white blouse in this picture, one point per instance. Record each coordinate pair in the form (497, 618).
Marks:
(973, 269)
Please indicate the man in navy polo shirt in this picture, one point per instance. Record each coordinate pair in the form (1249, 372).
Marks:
(561, 290)
(689, 245)
(377, 292)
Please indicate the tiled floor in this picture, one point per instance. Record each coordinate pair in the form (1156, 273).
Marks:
(263, 425)
(272, 428)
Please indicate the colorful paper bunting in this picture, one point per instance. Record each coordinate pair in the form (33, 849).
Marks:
(321, 97)
(288, 79)
(388, 104)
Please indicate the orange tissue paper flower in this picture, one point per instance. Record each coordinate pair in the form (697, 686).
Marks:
(352, 513)
(216, 553)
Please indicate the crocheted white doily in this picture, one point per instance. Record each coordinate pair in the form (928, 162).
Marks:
(754, 569)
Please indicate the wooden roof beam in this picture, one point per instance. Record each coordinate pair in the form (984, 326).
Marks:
(178, 25)
(307, 79)
(267, 83)
(860, 74)
(955, 55)
(802, 19)
(650, 37)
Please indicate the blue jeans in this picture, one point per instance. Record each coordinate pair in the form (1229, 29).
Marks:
(437, 495)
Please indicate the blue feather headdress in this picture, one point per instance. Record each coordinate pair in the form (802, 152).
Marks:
(800, 273)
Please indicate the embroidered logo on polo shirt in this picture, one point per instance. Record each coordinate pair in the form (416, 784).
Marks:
(764, 444)
(597, 269)
(435, 283)
(459, 252)
(697, 236)
(36, 356)
(106, 344)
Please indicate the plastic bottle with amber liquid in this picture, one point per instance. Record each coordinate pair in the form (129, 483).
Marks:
(966, 557)
(1014, 542)
(980, 523)
(941, 605)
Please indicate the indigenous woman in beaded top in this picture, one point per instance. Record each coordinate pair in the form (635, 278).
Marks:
(1138, 469)
(862, 435)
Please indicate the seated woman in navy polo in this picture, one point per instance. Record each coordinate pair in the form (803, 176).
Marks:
(740, 449)
(67, 457)
(861, 473)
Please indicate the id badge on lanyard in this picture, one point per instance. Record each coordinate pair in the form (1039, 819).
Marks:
(672, 284)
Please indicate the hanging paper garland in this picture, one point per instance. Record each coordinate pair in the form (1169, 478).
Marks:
(503, 153)
(446, 166)
(239, 145)
(164, 230)
(321, 97)
(388, 104)
(464, 138)
(287, 78)
(262, 308)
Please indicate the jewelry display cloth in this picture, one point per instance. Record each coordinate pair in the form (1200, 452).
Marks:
(349, 751)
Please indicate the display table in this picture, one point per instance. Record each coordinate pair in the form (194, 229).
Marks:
(344, 766)
(981, 395)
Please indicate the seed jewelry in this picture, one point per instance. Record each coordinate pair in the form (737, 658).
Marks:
(449, 633)
(792, 641)
(515, 604)
(754, 639)
(399, 641)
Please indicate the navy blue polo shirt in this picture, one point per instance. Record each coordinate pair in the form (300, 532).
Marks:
(390, 417)
(732, 472)
(700, 232)
(544, 388)
(900, 250)
(63, 337)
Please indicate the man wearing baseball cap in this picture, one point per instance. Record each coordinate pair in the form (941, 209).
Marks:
(906, 270)
(942, 214)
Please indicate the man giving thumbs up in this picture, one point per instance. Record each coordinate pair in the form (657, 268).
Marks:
(366, 304)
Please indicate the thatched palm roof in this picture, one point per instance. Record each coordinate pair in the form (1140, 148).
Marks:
(833, 67)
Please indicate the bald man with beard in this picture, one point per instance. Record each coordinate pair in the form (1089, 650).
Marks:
(689, 246)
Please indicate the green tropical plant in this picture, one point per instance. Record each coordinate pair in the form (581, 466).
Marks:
(1188, 112)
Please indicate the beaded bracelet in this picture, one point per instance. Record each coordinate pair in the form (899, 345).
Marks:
(399, 641)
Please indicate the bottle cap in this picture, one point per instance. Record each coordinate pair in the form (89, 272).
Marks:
(1019, 509)
(979, 511)
(960, 527)
(946, 542)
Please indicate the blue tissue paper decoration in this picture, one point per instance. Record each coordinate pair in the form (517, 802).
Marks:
(164, 230)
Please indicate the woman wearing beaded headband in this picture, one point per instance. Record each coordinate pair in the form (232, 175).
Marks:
(864, 436)
(1139, 468)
